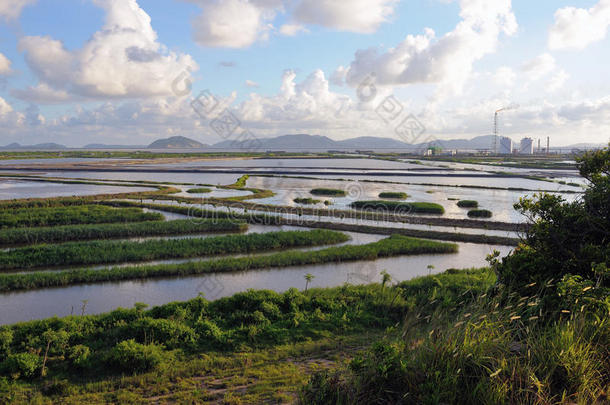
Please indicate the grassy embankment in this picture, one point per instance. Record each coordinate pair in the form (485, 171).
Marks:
(399, 207)
(479, 213)
(199, 190)
(396, 195)
(108, 252)
(60, 215)
(395, 245)
(306, 201)
(328, 192)
(68, 233)
(468, 204)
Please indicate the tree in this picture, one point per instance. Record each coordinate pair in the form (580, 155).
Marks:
(308, 278)
(564, 237)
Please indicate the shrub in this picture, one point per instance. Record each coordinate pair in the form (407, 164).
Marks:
(328, 192)
(200, 190)
(394, 195)
(79, 355)
(306, 201)
(399, 208)
(467, 204)
(6, 338)
(22, 365)
(479, 213)
(131, 356)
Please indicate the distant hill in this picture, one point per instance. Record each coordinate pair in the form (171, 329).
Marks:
(39, 146)
(176, 142)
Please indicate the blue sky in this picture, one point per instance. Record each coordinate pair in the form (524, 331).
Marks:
(291, 66)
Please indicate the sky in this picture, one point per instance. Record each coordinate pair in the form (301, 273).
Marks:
(78, 72)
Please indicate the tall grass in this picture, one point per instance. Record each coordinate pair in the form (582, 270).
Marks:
(399, 207)
(105, 252)
(83, 214)
(67, 233)
(392, 246)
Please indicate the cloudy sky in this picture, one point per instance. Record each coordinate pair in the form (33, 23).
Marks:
(131, 71)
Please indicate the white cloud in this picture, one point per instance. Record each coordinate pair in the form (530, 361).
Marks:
(447, 60)
(575, 28)
(124, 59)
(43, 94)
(363, 16)
(251, 83)
(11, 9)
(505, 76)
(233, 23)
(5, 107)
(541, 67)
(5, 65)
(292, 29)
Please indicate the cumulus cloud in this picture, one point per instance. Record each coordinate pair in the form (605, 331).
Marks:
(541, 67)
(292, 29)
(363, 16)
(576, 28)
(11, 9)
(447, 60)
(5, 65)
(233, 23)
(251, 83)
(123, 60)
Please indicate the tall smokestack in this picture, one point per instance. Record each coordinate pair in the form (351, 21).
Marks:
(538, 145)
(548, 144)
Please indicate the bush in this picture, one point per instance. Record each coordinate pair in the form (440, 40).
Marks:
(479, 213)
(22, 365)
(79, 356)
(328, 192)
(394, 195)
(467, 204)
(306, 201)
(399, 208)
(200, 190)
(131, 356)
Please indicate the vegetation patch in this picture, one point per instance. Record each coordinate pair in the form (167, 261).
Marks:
(67, 233)
(480, 213)
(394, 195)
(395, 245)
(82, 214)
(328, 192)
(306, 201)
(199, 190)
(102, 252)
(399, 208)
(468, 204)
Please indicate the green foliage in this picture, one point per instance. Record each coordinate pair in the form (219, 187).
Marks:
(84, 214)
(467, 204)
(24, 365)
(565, 237)
(328, 192)
(392, 246)
(306, 201)
(133, 357)
(66, 233)
(101, 252)
(395, 207)
(480, 213)
(79, 356)
(199, 190)
(394, 195)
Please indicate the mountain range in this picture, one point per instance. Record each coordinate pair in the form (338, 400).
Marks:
(296, 142)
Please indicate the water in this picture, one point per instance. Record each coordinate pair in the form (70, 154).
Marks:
(38, 304)
(14, 189)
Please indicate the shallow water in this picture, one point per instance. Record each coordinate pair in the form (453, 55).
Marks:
(37, 304)
(12, 189)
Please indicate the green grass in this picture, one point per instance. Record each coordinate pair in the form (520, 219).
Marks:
(68, 233)
(106, 252)
(328, 192)
(306, 201)
(480, 213)
(464, 343)
(83, 214)
(399, 207)
(467, 204)
(393, 246)
(394, 195)
(199, 190)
